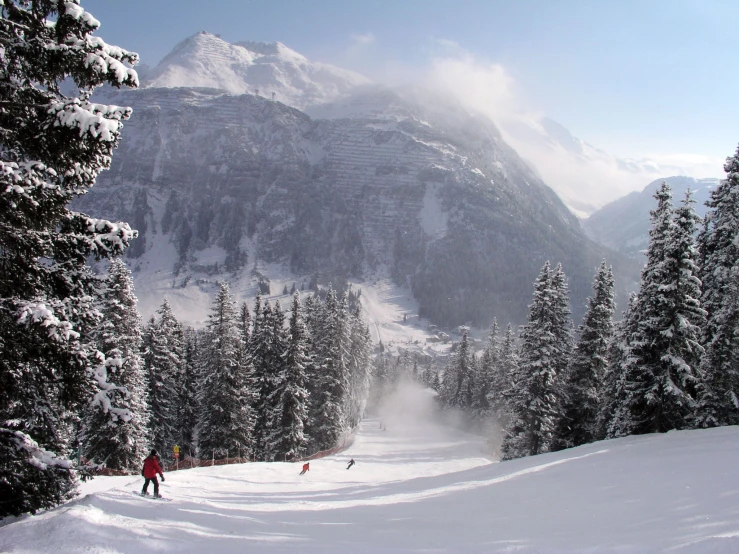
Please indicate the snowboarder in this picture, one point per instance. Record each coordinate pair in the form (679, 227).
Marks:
(351, 463)
(306, 467)
(149, 473)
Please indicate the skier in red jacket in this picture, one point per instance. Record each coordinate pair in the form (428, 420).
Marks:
(150, 471)
(306, 467)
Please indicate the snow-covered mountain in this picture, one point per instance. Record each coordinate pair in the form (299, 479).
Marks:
(371, 184)
(585, 177)
(269, 69)
(624, 225)
(431, 196)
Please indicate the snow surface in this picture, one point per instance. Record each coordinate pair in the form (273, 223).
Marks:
(420, 487)
(266, 69)
(433, 217)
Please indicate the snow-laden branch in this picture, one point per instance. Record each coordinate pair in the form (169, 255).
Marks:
(100, 121)
(23, 179)
(41, 313)
(37, 456)
(74, 10)
(109, 237)
(102, 397)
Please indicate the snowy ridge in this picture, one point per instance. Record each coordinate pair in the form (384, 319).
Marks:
(420, 487)
(205, 60)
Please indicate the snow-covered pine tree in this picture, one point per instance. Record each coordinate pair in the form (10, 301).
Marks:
(564, 329)
(562, 324)
(612, 410)
(189, 407)
(488, 389)
(258, 350)
(471, 382)
(275, 372)
(331, 346)
(436, 382)
(659, 379)
(287, 434)
(683, 289)
(536, 394)
(457, 386)
(245, 326)
(585, 377)
(311, 316)
(359, 367)
(53, 147)
(268, 346)
(163, 360)
(508, 370)
(226, 421)
(718, 244)
(117, 443)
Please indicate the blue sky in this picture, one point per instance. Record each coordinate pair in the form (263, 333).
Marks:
(657, 77)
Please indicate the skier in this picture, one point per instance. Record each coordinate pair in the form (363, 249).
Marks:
(306, 467)
(351, 463)
(149, 473)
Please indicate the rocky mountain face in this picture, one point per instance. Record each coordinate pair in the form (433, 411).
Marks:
(623, 225)
(375, 183)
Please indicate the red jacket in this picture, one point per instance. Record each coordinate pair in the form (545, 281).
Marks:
(151, 467)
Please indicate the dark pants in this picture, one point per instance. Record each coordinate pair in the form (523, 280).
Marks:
(146, 485)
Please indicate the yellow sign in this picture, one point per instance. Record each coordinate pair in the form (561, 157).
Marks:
(176, 449)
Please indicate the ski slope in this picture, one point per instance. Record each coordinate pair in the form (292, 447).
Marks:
(419, 487)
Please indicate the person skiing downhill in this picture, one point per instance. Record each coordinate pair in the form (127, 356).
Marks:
(149, 473)
(306, 467)
(351, 463)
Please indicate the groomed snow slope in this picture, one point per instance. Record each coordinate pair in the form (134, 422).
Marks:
(420, 488)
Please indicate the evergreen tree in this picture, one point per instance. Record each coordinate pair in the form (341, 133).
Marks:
(487, 391)
(115, 442)
(53, 147)
(508, 369)
(661, 373)
(359, 367)
(613, 411)
(718, 245)
(436, 383)
(245, 326)
(579, 424)
(310, 309)
(275, 366)
(456, 388)
(163, 360)
(562, 325)
(536, 395)
(189, 407)
(333, 377)
(288, 433)
(267, 367)
(226, 421)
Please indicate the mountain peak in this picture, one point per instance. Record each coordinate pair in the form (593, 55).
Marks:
(269, 69)
(271, 49)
